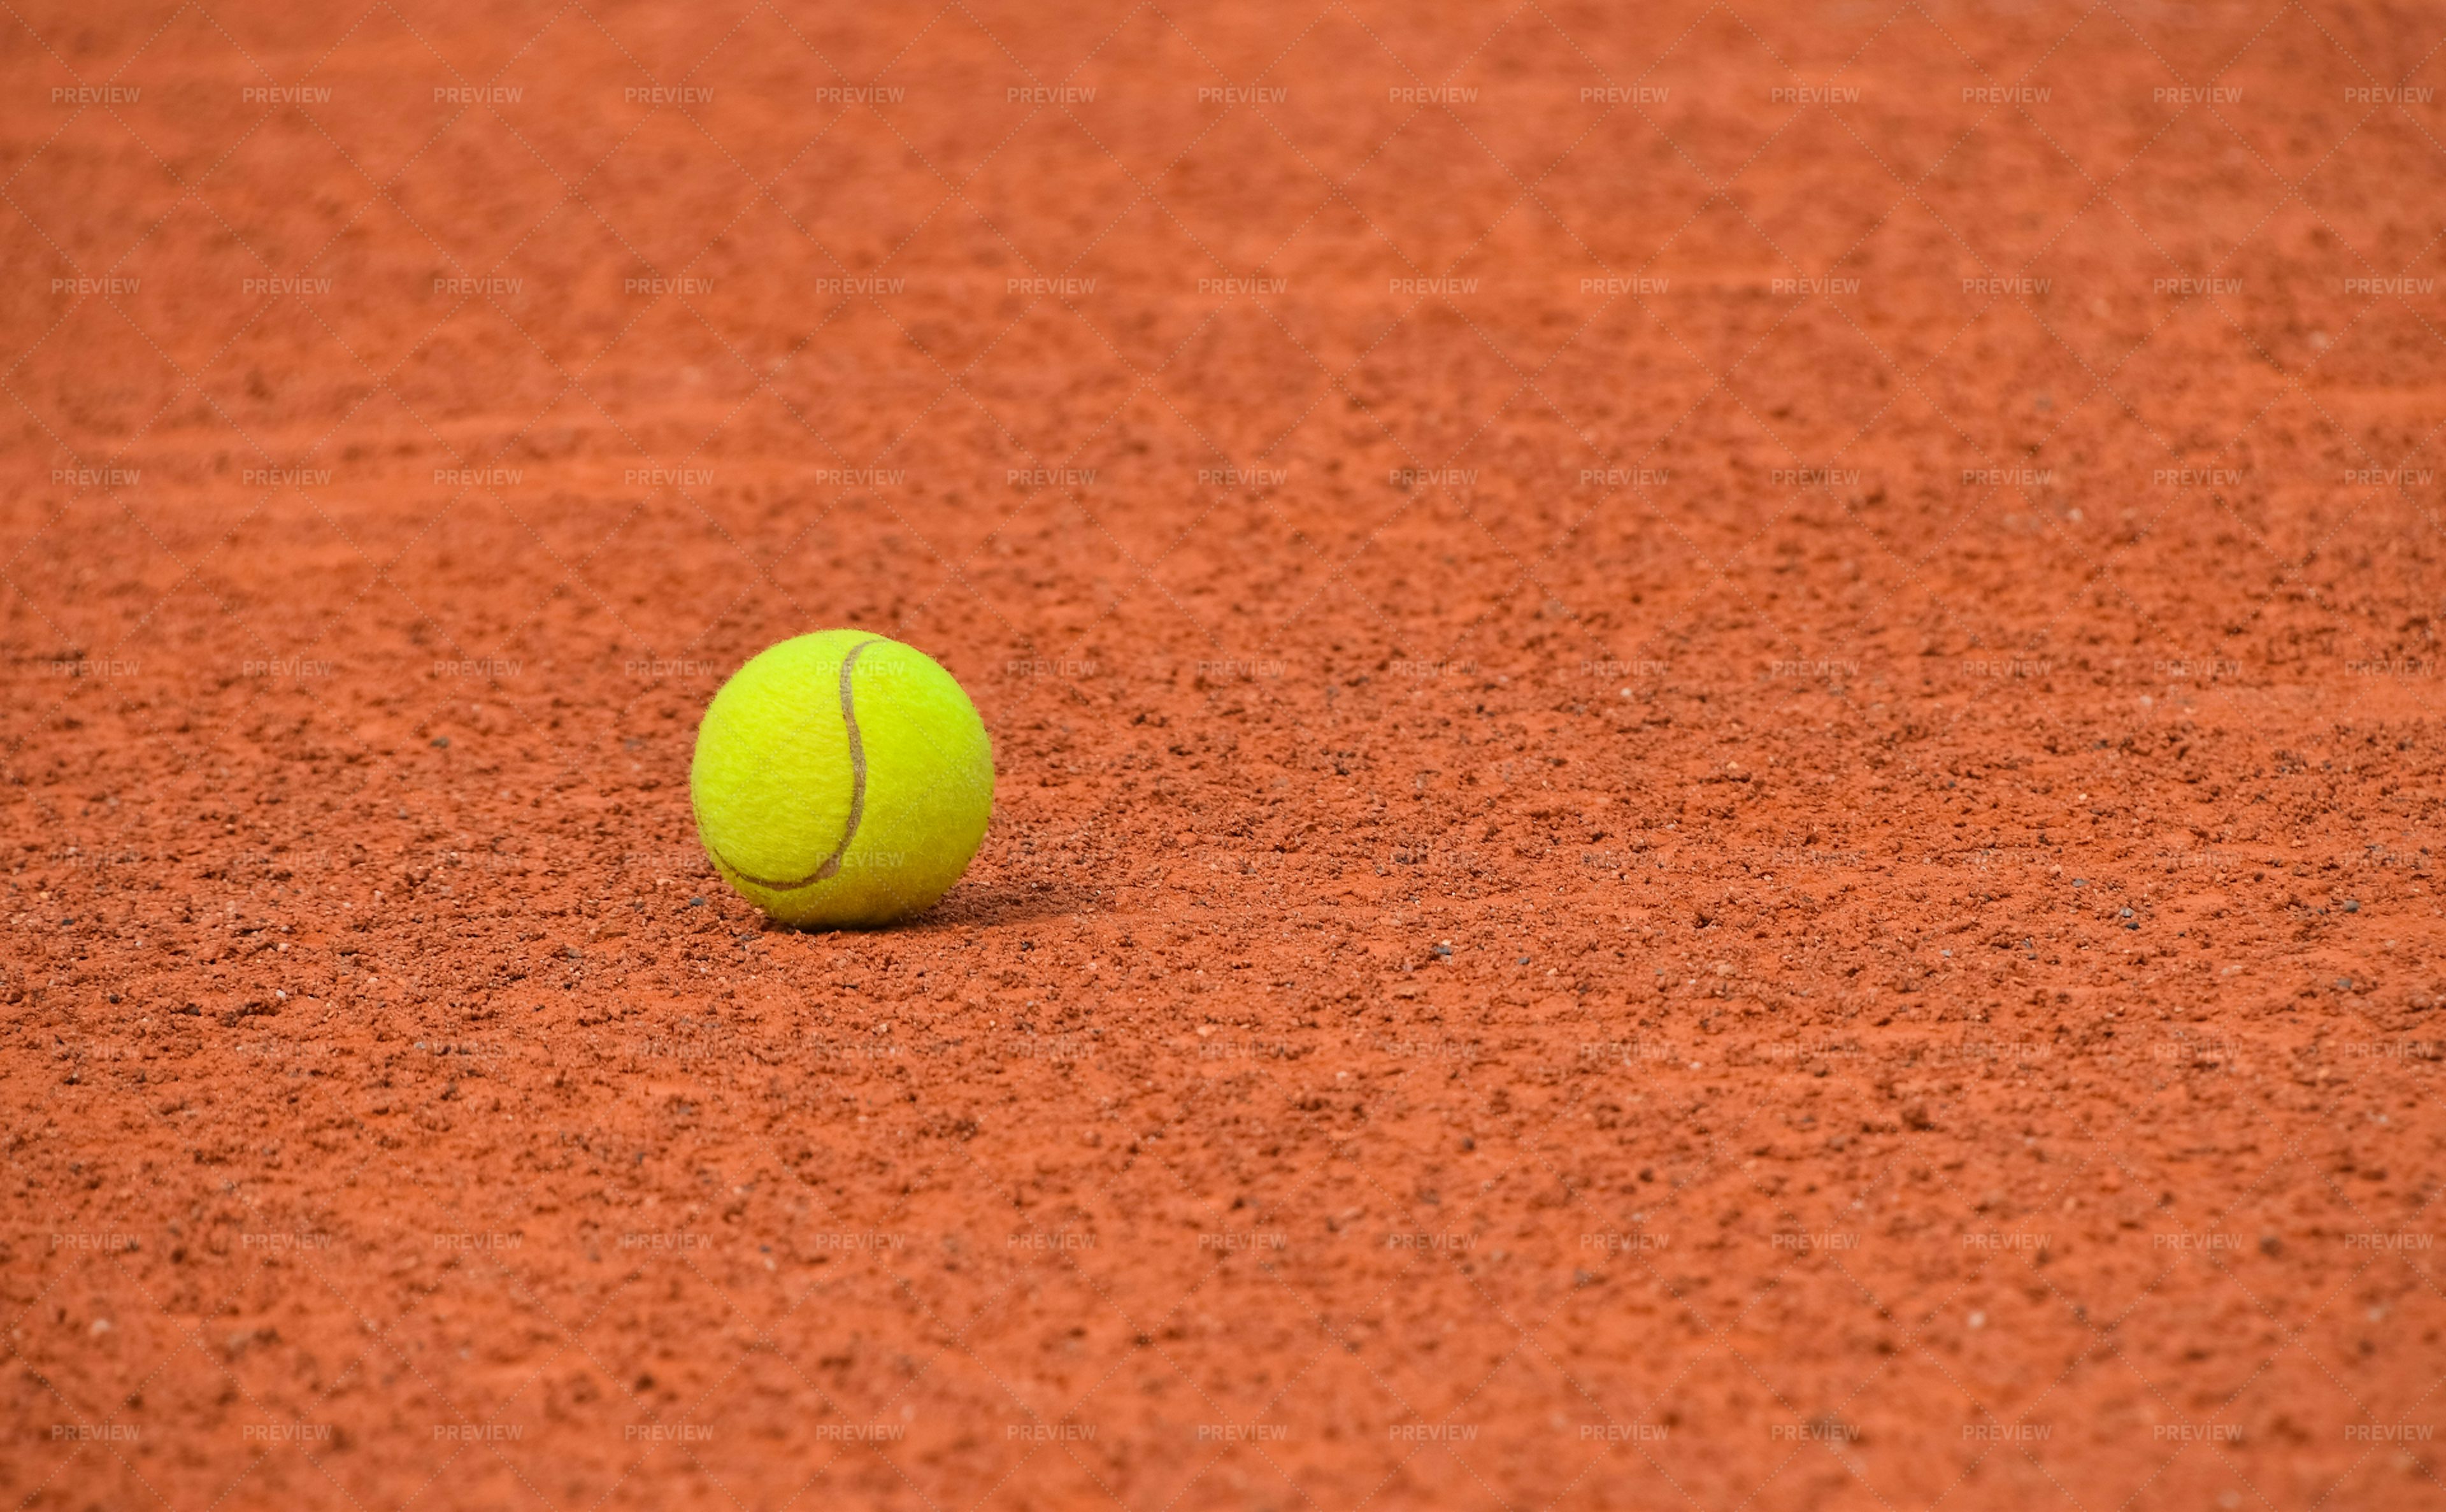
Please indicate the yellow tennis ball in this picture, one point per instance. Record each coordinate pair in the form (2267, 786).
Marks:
(842, 779)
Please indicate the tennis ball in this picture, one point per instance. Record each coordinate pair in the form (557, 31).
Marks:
(842, 779)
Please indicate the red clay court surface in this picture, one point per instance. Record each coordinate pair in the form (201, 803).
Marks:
(1718, 737)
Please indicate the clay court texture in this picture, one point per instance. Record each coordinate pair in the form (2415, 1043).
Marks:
(1718, 725)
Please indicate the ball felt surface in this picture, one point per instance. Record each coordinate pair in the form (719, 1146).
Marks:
(842, 779)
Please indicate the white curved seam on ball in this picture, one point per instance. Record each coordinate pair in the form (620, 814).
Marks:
(832, 864)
